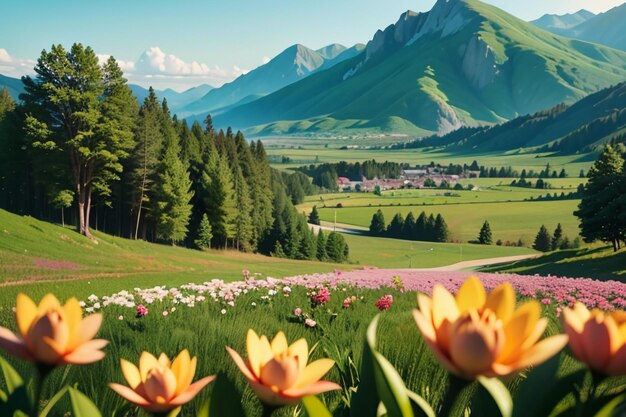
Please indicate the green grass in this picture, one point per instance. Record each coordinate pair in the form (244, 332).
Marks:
(597, 262)
(396, 253)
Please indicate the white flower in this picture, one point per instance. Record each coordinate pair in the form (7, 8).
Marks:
(82, 304)
(96, 306)
(165, 313)
(223, 311)
(92, 298)
(173, 309)
(120, 318)
(89, 309)
(253, 304)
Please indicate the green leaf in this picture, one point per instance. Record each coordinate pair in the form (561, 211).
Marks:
(543, 390)
(82, 406)
(225, 399)
(314, 407)
(421, 408)
(175, 412)
(204, 409)
(391, 388)
(55, 399)
(364, 402)
(12, 378)
(615, 406)
(3, 396)
(18, 401)
(501, 396)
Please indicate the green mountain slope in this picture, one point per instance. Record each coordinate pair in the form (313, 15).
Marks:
(13, 85)
(565, 21)
(462, 63)
(590, 122)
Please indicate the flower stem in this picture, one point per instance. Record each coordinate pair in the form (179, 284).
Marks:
(457, 397)
(596, 380)
(42, 373)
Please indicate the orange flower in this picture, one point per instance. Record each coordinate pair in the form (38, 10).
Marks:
(159, 385)
(278, 372)
(478, 334)
(52, 334)
(597, 338)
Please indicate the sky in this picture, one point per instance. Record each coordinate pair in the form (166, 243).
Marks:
(184, 43)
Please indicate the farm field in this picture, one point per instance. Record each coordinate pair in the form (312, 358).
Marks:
(509, 221)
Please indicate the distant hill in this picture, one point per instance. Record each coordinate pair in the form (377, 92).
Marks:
(293, 64)
(14, 85)
(564, 21)
(607, 28)
(580, 127)
(463, 63)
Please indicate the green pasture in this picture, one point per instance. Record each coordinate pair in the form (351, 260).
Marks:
(509, 221)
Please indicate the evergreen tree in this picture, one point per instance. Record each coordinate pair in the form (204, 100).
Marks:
(599, 211)
(321, 246)
(420, 227)
(205, 234)
(485, 237)
(219, 198)
(263, 194)
(430, 229)
(408, 229)
(83, 111)
(396, 226)
(314, 216)
(441, 232)
(242, 221)
(557, 237)
(173, 194)
(335, 247)
(542, 240)
(378, 226)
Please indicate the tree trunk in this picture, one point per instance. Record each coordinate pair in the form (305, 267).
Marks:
(614, 246)
(62, 217)
(87, 211)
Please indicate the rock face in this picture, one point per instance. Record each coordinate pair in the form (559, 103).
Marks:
(479, 63)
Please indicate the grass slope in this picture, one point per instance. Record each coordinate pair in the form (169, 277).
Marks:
(419, 83)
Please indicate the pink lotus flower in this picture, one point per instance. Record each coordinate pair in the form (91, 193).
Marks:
(384, 303)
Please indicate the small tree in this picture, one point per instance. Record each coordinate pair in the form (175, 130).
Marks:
(205, 234)
(62, 200)
(321, 246)
(335, 247)
(396, 226)
(441, 229)
(314, 217)
(485, 237)
(377, 190)
(557, 237)
(543, 241)
(377, 227)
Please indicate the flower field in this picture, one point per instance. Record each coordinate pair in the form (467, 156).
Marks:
(330, 311)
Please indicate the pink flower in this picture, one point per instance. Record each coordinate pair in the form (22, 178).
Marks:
(245, 273)
(141, 311)
(310, 323)
(546, 301)
(320, 297)
(347, 302)
(384, 303)
(297, 312)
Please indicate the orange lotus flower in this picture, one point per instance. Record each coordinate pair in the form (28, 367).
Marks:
(52, 334)
(483, 334)
(159, 385)
(278, 372)
(597, 338)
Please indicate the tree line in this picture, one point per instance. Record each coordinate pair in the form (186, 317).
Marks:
(79, 138)
(326, 175)
(429, 228)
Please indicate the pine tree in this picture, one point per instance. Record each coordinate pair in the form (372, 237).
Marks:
(430, 228)
(321, 246)
(335, 247)
(205, 234)
(314, 216)
(542, 240)
(396, 226)
(441, 233)
(420, 227)
(242, 221)
(378, 227)
(557, 237)
(485, 237)
(600, 209)
(408, 229)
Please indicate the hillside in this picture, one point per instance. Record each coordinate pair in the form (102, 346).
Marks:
(293, 64)
(606, 28)
(13, 85)
(565, 21)
(592, 121)
(462, 63)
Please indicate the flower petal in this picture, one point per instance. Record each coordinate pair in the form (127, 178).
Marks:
(13, 345)
(129, 395)
(130, 373)
(87, 353)
(182, 369)
(47, 303)
(192, 391)
(444, 306)
(313, 389)
(471, 295)
(300, 350)
(254, 352)
(314, 372)
(519, 328)
(502, 302)
(279, 343)
(147, 361)
(25, 313)
(541, 352)
(241, 365)
(85, 331)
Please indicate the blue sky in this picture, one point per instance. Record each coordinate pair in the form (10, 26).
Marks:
(195, 41)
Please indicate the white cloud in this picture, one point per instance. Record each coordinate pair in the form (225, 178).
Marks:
(266, 59)
(15, 67)
(126, 66)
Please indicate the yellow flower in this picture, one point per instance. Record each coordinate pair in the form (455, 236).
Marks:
(278, 372)
(483, 334)
(52, 334)
(597, 338)
(159, 385)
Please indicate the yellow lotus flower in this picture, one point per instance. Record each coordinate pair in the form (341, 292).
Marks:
(52, 334)
(597, 338)
(483, 334)
(278, 372)
(159, 385)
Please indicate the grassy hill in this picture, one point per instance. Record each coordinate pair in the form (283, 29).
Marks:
(500, 67)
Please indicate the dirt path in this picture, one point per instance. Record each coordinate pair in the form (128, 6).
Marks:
(461, 266)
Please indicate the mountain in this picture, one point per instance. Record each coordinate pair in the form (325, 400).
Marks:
(463, 63)
(175, 100)
(592, 121)
(606, 28)
(14, 85)
(291, 65)
(565, 21)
